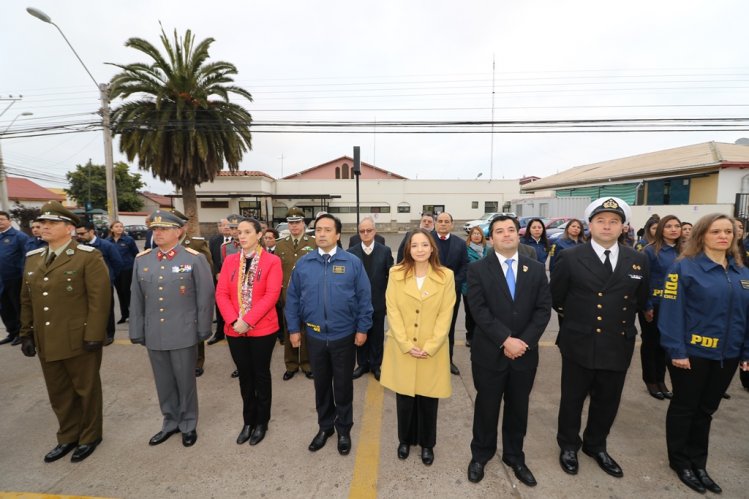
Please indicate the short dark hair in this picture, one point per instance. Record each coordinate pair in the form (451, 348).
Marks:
(446, 213)
(338, 224)
(272, 231)
(428, 214)
(5, 214)
(502, 218)
(88, 226)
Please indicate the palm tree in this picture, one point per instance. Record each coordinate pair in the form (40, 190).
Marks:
(180, 125)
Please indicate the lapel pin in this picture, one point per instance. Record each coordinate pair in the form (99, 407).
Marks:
(525, 268)
(69, 251)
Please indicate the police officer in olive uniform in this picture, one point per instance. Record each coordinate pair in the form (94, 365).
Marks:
(171, 311)
(290, 249)
(598, 287)
(64, 310)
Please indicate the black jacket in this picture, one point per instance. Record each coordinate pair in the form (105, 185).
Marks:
(382, 260)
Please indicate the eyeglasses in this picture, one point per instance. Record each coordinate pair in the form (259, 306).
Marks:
(365, 231)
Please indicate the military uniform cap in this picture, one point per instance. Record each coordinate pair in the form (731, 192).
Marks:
(163, 218)
(179, 214)
(233, 220)
(295, 215)
(608, 205)
(54, 211)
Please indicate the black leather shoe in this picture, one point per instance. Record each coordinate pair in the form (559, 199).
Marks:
(7, 339)
(708, 482)
(108, 341)
(475, 471)
(244, 435)
(606, 463)
(309, 375)
(725, 395)
(319, 441)
(344, 444)
(403, 451)
(122, 320)
(654, 391)
(689, 479)
(258, 434)
(189, 438)
(377, 373)
(287, 375)
(522, 473)
(214, 340)
(161, 437)
(360, 371)
(16, 341)
(454, 369)
(568, 461)
(60, 451)
(84, 450)
(235, 373)
(427, 456)
(665, 391)
(199, 372)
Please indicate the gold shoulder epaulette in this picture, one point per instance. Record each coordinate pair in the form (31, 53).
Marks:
(192, 251)
(144, 252)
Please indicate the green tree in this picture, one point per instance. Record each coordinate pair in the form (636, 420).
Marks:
(88, 183)
(181, 125)
(24, 216)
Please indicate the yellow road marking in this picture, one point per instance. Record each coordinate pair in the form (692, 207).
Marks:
(366, 467)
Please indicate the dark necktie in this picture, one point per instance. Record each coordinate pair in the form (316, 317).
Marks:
(51, 259)
(607, 262)
(326, 257)
(296, 243)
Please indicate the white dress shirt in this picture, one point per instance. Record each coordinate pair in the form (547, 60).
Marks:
(613, 256)
(503, 264)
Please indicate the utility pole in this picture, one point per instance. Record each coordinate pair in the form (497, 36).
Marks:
(4, 200)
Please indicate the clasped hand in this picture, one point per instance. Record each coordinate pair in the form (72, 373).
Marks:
(514, 347)
(418, 353)
(240, 326)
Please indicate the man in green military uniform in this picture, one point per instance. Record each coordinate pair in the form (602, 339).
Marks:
(290, 249)
(64, 310)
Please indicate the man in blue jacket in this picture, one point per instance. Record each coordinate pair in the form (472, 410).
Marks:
(86, 234)
(12, 259)
(329, 301)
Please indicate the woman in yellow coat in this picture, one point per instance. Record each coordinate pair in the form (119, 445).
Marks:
(416, 359)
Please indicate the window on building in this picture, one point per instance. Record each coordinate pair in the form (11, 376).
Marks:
(491, 206)
(344, 171)
(337, 172)
(436, 209)
(362, 209)
(249, 209)
(474, 205)
(404, 208)
(668, 191)
(214, 204)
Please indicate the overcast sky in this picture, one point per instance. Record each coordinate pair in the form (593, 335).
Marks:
(397, 61)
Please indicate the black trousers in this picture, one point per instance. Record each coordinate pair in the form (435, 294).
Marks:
(697, 395)
(220, 324)
(10, 306)
(252, 356)
(452, 323)
(110, 321)
(491, 387)
(470, 323)
(605, 391)
(417, 420)
(652, 354)
(744, 376)
(332, 363)
(369, 355)
(122, 285)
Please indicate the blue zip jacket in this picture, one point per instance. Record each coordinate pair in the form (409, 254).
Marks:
(35, 243)
(111, 256)
(559, 245)
(128, 249)
(659, 265)
(330, 300)
(541, 250)
(12, 253)
(704, 310)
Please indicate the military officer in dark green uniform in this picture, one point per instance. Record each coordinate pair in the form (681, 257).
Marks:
(290, 249)
(171, 311)
(64, 310)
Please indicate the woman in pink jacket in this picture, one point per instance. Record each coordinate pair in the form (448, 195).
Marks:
(248, 288)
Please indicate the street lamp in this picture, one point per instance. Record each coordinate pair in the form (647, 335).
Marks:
(104, 97)
(4, 201)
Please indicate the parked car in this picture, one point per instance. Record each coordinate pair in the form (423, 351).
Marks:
(551, 223)
(136, 231)
(485, 219)
(555, 233)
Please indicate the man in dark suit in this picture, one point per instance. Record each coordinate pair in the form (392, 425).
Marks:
(453, 254)
(598, 288)
(377, 259)
(510, 301)
(214, 244)
(356, 239)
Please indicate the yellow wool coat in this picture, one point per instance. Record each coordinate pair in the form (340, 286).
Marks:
(421, 318)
